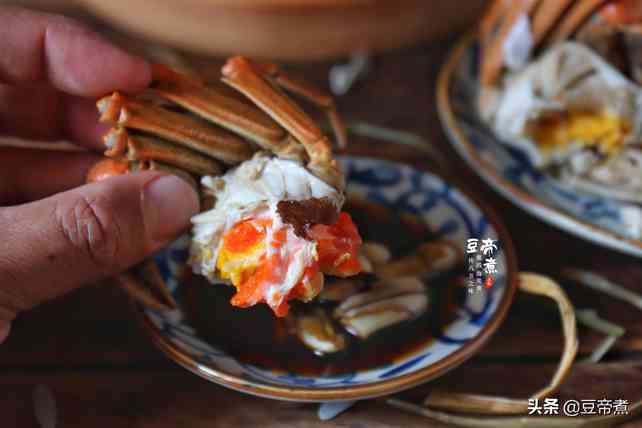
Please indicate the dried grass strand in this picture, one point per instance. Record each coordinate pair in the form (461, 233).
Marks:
(603, 285)
(473, 403)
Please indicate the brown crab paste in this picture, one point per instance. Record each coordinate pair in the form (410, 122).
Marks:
(302, 214)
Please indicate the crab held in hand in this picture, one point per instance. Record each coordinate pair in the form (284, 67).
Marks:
(273, 193)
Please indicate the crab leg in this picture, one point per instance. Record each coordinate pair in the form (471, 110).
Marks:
(491, 19)
(119, 142)
(152, 165)
(546, 15)
(493, 55)
(241, 74)
(148, 271)
(145, 286)
(110, 167)
(488, 28)
(227, 112)
(220, 144)
(578, 13)
(312, 94)
(502, 16)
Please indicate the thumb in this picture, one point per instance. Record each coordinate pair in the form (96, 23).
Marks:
(56, 244)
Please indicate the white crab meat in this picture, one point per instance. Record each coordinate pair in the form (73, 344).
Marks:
(244, 240)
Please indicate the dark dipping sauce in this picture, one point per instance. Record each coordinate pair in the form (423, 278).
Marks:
(255, 336)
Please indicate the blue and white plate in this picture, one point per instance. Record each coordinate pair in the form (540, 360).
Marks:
(453, 215)
(607, 222)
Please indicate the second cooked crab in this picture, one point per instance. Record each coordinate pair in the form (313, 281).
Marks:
(561, 80)
(272, 192)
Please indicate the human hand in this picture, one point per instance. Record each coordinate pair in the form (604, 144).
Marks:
(56, 236)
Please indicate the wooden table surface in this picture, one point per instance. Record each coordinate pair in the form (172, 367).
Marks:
(104, 371)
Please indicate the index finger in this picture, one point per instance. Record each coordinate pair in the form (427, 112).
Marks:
(44, 47)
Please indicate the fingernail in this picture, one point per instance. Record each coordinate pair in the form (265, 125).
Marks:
(168, 204)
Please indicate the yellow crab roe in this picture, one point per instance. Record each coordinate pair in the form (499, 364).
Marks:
(236, 266)
(604, 130)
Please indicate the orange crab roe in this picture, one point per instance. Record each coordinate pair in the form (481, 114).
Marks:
(337, 246)
(246, 261)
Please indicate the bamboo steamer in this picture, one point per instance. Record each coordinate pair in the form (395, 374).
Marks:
(291, 30)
